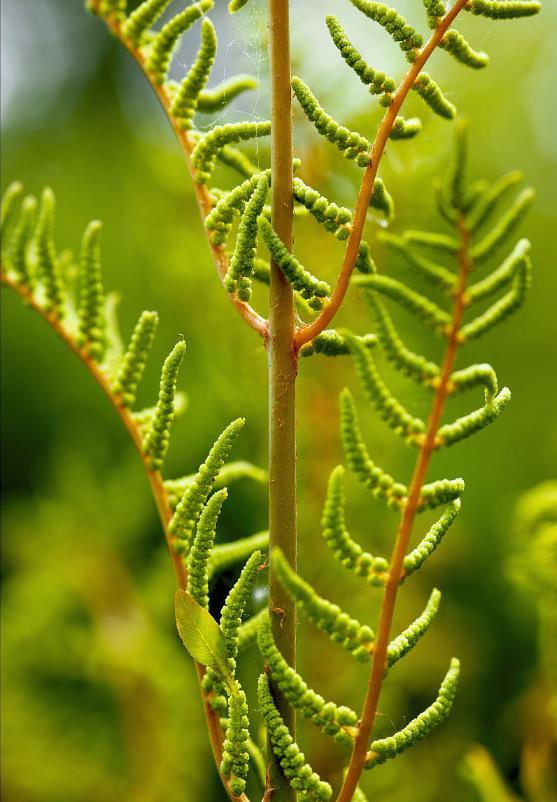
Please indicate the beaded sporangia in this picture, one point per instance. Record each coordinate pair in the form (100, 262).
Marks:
(250, 233)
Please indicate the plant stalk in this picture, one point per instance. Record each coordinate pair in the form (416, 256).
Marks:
(282, 362)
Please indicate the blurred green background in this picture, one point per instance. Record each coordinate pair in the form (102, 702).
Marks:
(99, 698)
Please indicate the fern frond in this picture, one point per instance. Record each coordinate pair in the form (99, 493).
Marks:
(405, 129)
(198, 579)
(435, 274)
(435, 11)
(188, 510)
(131, 370)
(500, 277)
(48, 267)
(300, 278)
(455, 184)
(442, 491)
(235, 755)
(455, 44)
(377, 81)
(364, 261)
(247, 634)
(91, 327)
(503, 229)
(9, 210)
(206, 151)
(407, 639)
(236, 5)
(227, 555)
(487, 202)
(407, 38)
(163, 45)
(338, 722)
(219, 220)
(211, 101)
(431, 93)
(378, 394)
(412, 301)
(381, 199)
(381, 484)
(335, 219)
(328, 617)
(335, 533)
(235, 604)
(240, 269)
(416, 558)
(301, 776)
(474, 375)
(504, 9)
(186, 99)
(410, 363)
(420, 727)
(475, 421)
(18, 245)
(331, 343)
(232, 157)
(505, 306)
(351, 144)
(155, 442)
(229, 473)
(437, 242)
(139, 21)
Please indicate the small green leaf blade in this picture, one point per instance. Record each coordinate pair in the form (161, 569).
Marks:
(201, 635)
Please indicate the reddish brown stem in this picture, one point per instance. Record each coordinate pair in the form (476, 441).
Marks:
(404, 533)
(311, 330)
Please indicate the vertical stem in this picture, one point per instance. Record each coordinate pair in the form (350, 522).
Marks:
(282, 367)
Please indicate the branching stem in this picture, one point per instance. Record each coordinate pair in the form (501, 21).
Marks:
(396, 567)
(155, 480)
(311, 330)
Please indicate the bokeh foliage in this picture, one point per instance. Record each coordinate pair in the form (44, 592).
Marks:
(100, 702)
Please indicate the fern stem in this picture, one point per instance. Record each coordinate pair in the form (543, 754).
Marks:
(187, 144)
(154, 476)
(396, 567)
(282, 361)
(311, 330)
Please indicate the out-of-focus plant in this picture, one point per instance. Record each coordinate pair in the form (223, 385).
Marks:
(301, 306)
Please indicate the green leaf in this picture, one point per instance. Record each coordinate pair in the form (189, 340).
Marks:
(201, 635)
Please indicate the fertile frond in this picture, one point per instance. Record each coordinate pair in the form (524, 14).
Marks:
(139, 21)
(235, 604)
(501, 276)
(405, 35)
(503, 229)
(227, 555)
(229, 473)
(335, 533)
(236, 5)
(405, 129)
(364, 262)
(164, 43)
(431, 93)
(377, 480)
(412, 301)
(18, 245)
(247, 634)
(132, 367)
(331, 343)
(508, 304)
(219, 220)
(474, 375)
(435, 11)
(186, 99)
(378, 394)
(339, 626)
(410, 363)
(91, 295)
(48, 267)
(435, 274)
(381, 199)
(155, 442)
(211, 101)
(336, 219)
(420, 727)
(302, 778)
(235, 755)
(300, 278)
(378, 82)
(187, 512)
(416, 558)
(455, 44)
(198, 579)
(504, 9)
(442, 491)
(407, 639)
(207, 150)
(338, 722)
(240, 270)
(351, 144)
(475, 421)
